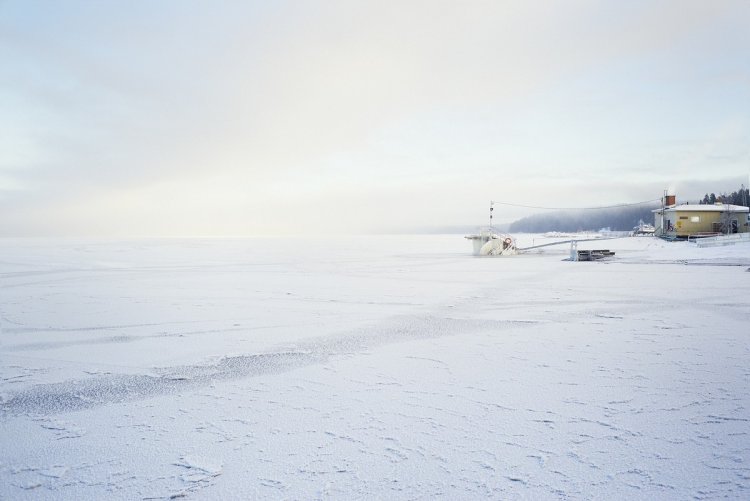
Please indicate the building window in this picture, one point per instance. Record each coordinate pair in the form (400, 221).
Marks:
(683, 217)
(695, 219)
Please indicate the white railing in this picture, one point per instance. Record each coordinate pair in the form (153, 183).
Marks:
(723, 240)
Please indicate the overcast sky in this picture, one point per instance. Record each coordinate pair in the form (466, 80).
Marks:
(241, 118)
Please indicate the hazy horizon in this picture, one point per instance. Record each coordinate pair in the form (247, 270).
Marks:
(252, 118)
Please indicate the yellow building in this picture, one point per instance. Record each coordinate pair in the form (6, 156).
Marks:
(682, 221)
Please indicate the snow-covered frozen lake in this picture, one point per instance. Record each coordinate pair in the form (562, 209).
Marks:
(389, 367)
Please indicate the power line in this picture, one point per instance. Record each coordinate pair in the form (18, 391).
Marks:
(577, 208)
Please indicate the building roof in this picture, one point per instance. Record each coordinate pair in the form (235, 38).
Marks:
(705, 208)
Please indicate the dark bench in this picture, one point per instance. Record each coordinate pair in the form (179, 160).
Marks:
(591, 255)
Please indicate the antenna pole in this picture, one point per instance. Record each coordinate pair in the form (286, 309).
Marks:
(492, 208)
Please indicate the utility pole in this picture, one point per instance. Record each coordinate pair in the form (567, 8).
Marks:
(663, 202)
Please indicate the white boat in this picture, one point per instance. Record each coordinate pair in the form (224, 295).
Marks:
(488, 243)
(643, 229)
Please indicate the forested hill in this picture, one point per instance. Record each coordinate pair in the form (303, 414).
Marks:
(617, 219)
(740, 197)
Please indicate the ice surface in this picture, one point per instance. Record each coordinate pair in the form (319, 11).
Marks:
(372, 367)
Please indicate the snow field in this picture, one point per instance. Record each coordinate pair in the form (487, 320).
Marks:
(394, 367)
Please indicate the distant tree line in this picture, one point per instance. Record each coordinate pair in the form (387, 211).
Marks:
(617, 219)
(739, 197)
